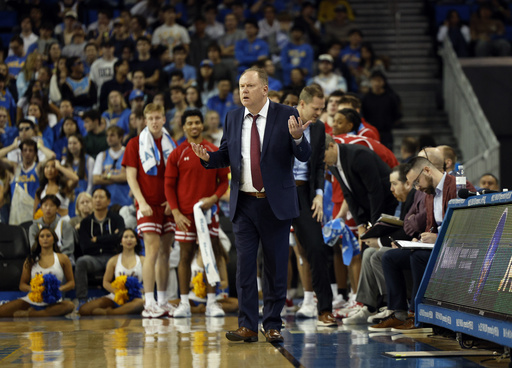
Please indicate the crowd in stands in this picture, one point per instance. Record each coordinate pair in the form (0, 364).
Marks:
(73, 94)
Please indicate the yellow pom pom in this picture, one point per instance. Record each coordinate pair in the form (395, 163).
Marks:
(37, 288)
(199, 285)
(121, 293)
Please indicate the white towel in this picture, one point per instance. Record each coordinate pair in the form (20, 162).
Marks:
(148, 152)
(205, 244)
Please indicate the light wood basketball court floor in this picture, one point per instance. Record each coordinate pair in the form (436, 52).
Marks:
(200, 342)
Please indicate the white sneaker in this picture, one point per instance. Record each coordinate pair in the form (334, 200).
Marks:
(339, 302)
(359, 317)
(348, 311)
(384, 312)
(307, 311)
(182, 311)
(214, 310)
(153, 311)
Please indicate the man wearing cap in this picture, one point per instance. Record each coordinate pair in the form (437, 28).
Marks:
(296, 54)
(102, 70)
(137, 99)
(326, 78)
(64, 31)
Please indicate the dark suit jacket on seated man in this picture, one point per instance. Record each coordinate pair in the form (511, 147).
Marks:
(263, 197)
(364, 179)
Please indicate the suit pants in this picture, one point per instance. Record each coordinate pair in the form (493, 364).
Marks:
(255, 222)
(371, 281)
(88, 265)
(309, 233)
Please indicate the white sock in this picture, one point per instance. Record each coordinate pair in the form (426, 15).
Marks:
(308, 297)
(258, 280)
(184, 299)
(210, 298)
(334, 288)
(149, 299)
(161, 296)
(288, 294)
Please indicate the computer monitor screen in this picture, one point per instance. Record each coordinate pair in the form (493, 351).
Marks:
(473, 271)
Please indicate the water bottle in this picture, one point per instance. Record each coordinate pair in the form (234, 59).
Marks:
(460, 179)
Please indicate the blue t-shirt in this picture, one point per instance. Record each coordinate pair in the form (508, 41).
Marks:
(248, 53)
(221, 106)
(15, 63)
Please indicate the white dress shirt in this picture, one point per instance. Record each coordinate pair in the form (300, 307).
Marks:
(340, 168)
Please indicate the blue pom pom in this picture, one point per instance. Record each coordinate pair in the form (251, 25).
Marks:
(134, 287)
(51, 293)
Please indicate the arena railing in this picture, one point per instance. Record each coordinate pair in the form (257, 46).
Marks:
(479, 146)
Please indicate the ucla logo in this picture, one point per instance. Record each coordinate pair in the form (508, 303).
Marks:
(26, 179)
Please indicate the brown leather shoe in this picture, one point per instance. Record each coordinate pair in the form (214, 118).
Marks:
(326, 319)
(273, 335)
(242, 334)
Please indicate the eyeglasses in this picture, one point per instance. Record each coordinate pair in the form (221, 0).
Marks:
(24, 129)
(415, 183)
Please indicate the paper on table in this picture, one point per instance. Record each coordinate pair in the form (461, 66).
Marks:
(414, 245)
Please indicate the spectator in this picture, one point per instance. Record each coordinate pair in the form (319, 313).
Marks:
(7, 102)
(459, 33)
(53, 55)
(223, 102)
(273, 83)
(7, 133)
(77, 45)
(120, 37)
(96, 138)
(328, 80)
(269, 24)
(189, 71)
(368, 64)
(149, 65)
(408, 149)
(170, 33)
(99, 236)
(60, 147)
(26, 131)
(331, 109)
(194, 100)
(488, 181)
(108, 170)
(138, 28)
(57, 180)
(116, 108)
(64, 31)
(199, 42)
(45, 39)
(250, 49)
(228, 41)
(381, 108)
(83, 208)
(339, 26)
(214, 29)
(29, 37)
(119, 83)
(488, 34)
(99, 31)
(205, 81)
(296, 54)
(136, 99)
(221, 69)
(79, 88)
(91, 52)
(67, 111)
(102, 70)
(213, 130)
(351, 54)
(17, 56)
(449, 159)
(42, 119)
(50, 219)
(82, 165)
(290, 98)
(309, 23)
(297, 81)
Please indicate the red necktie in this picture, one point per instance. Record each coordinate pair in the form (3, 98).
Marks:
(257, 180)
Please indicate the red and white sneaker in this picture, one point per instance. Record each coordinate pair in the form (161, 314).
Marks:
(349, 311)
(153, 311)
